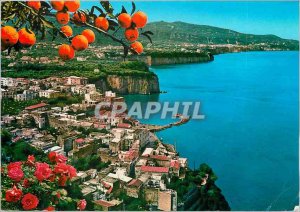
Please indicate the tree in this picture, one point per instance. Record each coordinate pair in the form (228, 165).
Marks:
(5, 137)
(205, 169)
(24, 20)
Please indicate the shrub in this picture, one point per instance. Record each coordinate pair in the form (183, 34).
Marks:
(32, 185)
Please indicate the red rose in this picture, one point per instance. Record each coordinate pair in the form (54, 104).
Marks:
(81, 204)
(43, 171)
(61, 168)
(49, 208)
(14, 165)
(16, 174)
(60, 158)
(13, 195)
(52, 177)
(62, 180)
(29, 201)
(26, 183)
(52, 156)
(72, 172)
(30, 160)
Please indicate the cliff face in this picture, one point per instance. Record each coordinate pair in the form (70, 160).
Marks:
(129, 84)
(205, 198)
(180, 60)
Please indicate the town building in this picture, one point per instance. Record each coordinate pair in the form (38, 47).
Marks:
(49, 94)
(73, 80)
(167, 200)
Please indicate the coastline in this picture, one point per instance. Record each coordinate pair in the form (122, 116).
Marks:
(221, 53)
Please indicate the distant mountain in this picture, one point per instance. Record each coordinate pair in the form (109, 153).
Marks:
(170, 33)
(180, 32)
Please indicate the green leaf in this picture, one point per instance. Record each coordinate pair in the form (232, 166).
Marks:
(99, 9)
(48, 24)
(147, 36)
(26, 28)
(55, 33)
(45, 4)
(123, 10)
(148, 32)
(133, 8)
(9, 17)
(125, 52)
(113, 23)
(107, 6)
(43, 34)
(9, 50)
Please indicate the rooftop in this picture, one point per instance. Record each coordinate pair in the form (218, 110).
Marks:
(103, 203)
(32, 107)
(135, 183)
(124, 125)
(160, 157)
(154, 169)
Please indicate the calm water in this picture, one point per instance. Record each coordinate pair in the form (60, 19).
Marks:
(250, 133)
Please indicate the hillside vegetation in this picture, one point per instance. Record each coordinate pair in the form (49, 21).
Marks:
(180, 32)
(80, 69)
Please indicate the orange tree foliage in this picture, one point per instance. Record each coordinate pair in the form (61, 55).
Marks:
(23, 21)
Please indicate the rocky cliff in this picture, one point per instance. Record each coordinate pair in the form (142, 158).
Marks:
(129, 84)
(180, 60)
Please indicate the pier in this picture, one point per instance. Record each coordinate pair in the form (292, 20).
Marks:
(157, 128)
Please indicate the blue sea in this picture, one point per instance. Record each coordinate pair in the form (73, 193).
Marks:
(250, 132)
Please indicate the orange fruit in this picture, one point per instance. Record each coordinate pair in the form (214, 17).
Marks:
(72, 5)
(89, 34)
(66, 52)
(9, 36)
(67, 30)
(131, 34)
(137, 46)
(124, 20)
(102, 23)
(34, 4)
(25, 38)
(140, 19)
(78, 19)
(62, 17)
(58, 5)
(80, 42)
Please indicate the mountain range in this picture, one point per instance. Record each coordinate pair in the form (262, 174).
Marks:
(181, 32)
(170, 33)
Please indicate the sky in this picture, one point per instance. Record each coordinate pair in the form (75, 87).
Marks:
(278, 18)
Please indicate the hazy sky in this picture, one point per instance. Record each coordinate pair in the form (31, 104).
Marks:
(279, 18)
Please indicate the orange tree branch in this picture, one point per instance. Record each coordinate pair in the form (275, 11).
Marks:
(111, 36)
(125, 46)
(43, 18)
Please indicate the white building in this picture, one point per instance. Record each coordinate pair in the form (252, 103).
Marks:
(26, 95)
(110, 94)
(47, 93)
(56, 149)
(35, 88)
(6, 81)
(143, 136)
